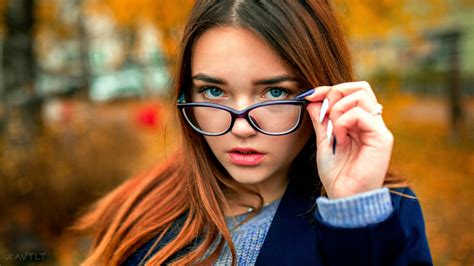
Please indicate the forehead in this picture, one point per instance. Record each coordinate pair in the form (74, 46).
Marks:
(235, 52)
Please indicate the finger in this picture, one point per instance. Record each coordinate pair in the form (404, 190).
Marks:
(357, 120)
(342, 90)
(339, 91)
(350, 87)
(320, 129)
(359, 98)
(319, 94)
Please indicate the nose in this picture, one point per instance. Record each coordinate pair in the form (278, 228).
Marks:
(242, 128)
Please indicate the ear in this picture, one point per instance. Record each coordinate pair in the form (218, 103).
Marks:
(182, 98)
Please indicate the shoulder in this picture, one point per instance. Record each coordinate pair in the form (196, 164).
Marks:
(140, 255)
(403, 196)
(407, 205)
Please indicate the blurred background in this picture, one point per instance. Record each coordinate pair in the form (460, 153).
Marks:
(84, 106)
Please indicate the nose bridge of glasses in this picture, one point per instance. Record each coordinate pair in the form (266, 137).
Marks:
(247, 118)
(243, 112)
(241, 122)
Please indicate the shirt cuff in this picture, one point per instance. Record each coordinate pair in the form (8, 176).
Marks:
(356, 211)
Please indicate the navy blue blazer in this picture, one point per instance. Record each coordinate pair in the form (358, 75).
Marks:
(298, 237)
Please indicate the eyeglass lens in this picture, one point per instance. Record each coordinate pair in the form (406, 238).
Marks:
(276, 119)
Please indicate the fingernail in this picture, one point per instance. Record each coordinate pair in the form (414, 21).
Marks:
(329, 131)
(324, 109)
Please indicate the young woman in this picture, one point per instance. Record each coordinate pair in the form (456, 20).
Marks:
(271, 171)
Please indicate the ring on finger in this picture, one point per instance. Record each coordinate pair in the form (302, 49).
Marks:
(377, 110)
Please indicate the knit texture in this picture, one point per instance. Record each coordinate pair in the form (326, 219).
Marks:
(356, 211)
(248, 238)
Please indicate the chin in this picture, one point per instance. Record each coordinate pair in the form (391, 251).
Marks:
(248, 177)
(248, 181)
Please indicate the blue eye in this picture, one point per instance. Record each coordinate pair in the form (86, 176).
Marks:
(276, 93)
(211, 92)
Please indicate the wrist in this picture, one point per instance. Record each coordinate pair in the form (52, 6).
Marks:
(344, 193)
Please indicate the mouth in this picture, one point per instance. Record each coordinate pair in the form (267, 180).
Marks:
(245, 156)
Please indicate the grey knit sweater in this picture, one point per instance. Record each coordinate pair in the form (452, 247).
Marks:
(250, 234)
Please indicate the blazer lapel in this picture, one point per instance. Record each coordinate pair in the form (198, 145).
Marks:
(291, 239)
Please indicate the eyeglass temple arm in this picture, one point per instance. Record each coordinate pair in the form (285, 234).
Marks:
(304, 94)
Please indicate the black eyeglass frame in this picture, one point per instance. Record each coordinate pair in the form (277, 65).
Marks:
(297, 100)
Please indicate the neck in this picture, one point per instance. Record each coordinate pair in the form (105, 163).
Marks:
(270, 191)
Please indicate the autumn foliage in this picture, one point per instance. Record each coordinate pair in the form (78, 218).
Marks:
(168, 16)
(93, 147)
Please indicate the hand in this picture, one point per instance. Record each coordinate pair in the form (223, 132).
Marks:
(364, 143)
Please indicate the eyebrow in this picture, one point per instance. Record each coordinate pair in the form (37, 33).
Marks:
(209, 79)
(276, 80)
(268, 81)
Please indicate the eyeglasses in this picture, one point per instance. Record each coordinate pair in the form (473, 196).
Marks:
(274, 118)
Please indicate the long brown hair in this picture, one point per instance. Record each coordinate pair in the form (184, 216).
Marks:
(308, 38)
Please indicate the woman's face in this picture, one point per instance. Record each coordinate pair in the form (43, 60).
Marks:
(235, 67)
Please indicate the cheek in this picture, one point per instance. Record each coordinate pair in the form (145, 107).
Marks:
(304, 132)
(301, 136)
(215, 143)
(290, 145)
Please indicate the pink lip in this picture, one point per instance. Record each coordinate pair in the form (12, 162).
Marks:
(246, 159)
(238, 157)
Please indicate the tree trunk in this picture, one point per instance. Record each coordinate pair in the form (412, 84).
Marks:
(22, 106)
(454, 83)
